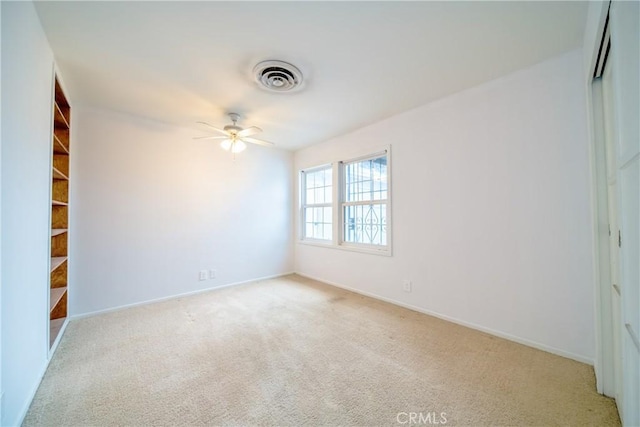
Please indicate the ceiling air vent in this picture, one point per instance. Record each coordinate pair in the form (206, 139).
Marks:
(278, 76)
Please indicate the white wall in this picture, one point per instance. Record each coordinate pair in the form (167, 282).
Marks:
(491, 209)
(27, 66)
(1, 387)
(150, 207)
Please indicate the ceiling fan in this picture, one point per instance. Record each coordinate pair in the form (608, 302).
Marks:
(235, 137)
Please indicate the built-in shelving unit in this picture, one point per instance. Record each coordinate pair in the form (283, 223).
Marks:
(59, 213)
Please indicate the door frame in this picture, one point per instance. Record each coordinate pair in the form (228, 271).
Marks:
(624, 44)
(603, 361)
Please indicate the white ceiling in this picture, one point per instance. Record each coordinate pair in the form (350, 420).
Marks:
(181, 62)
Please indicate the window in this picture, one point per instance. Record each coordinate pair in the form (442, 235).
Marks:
(317, 207)
(357, 215)
(364, 201)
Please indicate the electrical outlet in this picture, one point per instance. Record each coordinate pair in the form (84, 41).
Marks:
(213, 274)
(203, 274)
(406, 285)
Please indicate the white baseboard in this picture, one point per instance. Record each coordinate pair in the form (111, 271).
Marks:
(52, 350)
(54, 347)
(471, 325)
(170, 297)
(467, 324)
(32, 394)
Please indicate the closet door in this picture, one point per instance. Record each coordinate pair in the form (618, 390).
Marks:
(625, 41)
(610, 139)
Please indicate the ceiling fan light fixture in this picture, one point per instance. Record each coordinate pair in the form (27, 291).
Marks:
(235, 138)
(238, 146)
(278, 76)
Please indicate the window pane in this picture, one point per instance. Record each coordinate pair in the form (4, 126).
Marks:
(327, 215)
(310, 179)
(317, 220)
(366, 224)
(366, 180)
(317, 223)
(328, 176)
(317, 185)
(308, 215)
(327, 231)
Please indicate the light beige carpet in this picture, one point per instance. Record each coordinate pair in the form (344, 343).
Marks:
(294, 352)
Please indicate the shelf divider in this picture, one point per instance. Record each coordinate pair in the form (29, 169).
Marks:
(59, 175)
(55, 296)
(59, 117)
(57, 261)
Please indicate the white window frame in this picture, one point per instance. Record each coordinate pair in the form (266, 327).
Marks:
(337, 187)
(364, 247)
(303, 205)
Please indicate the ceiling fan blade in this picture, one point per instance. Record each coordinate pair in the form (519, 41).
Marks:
(258, 141)
(249, 131)
(214, 128)
(211, 137)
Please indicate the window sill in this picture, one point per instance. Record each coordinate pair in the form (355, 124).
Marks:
(322, 244)
(346, 247)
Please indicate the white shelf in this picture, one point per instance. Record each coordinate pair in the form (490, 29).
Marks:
(58, 231)
(64, 119)
(59, 169)
(55, 325)
(55, 296)
(59, 175)
(60, 144)
(57, 261)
